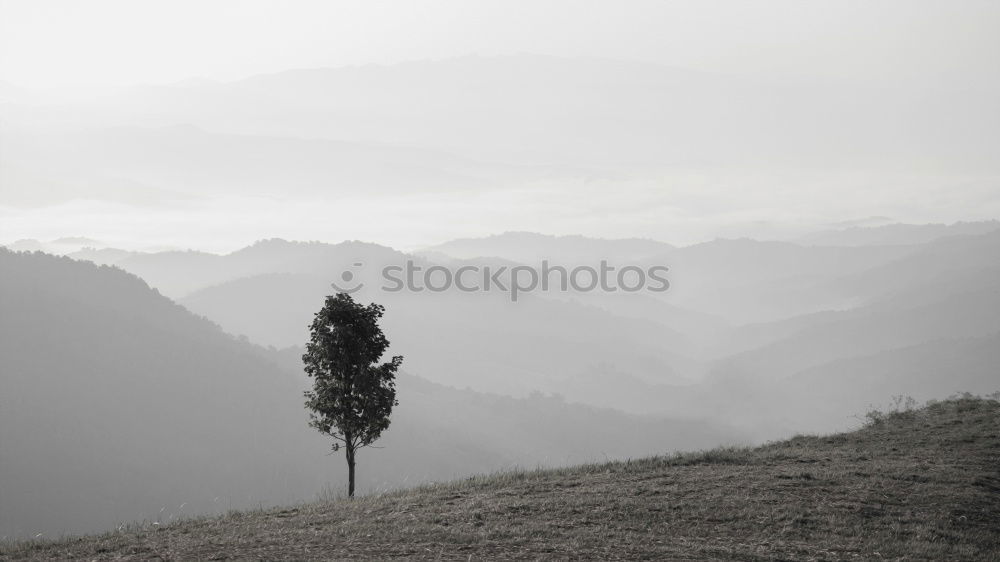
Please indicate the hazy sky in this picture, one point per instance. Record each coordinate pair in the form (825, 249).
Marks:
(115, 42)
(890, 49)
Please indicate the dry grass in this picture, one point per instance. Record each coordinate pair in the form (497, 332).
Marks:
(922, 484)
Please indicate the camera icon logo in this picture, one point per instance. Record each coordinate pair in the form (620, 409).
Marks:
(347, 277)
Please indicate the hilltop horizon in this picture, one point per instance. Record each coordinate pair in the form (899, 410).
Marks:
(886, 231)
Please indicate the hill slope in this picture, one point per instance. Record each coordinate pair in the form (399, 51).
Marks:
(916, 484)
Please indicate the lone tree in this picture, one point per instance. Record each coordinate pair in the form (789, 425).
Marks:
(352, 394)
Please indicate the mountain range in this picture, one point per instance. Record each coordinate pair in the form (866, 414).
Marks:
(119, 405)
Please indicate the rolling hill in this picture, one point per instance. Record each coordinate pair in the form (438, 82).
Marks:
(911, 484)
(641, 353)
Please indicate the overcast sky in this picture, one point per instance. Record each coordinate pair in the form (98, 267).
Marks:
(102, 42)
(907, 50)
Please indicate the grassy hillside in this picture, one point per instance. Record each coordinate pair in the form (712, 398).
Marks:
(921, 484)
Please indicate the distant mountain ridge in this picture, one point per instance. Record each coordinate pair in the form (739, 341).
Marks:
(532, 248)
(897, 234)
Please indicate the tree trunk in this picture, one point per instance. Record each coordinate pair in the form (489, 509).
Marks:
(350, 471)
